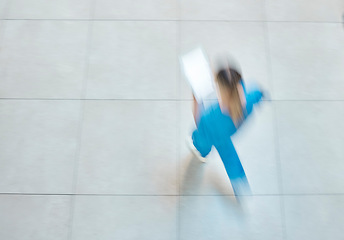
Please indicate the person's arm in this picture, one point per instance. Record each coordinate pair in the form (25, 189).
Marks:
(253, 97)
(195, 110)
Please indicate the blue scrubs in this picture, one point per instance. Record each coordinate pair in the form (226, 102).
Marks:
(215, 129)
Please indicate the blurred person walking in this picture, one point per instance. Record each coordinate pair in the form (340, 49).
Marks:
(217, 123)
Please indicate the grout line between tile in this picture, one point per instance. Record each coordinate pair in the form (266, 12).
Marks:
(275, 127)
(168, 195)
(270, 77)
(279, 169)
(178, 39)
(168, 20)
(178, 119)
(81, 117)
(268, 59)
(257, 21)
(157, 100)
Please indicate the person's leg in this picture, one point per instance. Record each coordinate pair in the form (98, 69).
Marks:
(233, 167)
(199, 136)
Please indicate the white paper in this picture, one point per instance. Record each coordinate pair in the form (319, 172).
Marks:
(198, 73)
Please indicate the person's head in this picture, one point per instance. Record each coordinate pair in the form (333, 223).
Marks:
(228, 81)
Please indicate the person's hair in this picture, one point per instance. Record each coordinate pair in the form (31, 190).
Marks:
(228, 80)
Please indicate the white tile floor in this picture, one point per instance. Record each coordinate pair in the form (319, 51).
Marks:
(94, 112)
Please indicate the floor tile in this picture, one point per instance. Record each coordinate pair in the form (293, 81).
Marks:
(43, 59)
(34, 217)
(307, 60)
(125, 217)
(314, 217)
(2, 32)
(133, 60)
(3, 7)
(53, 9)
(37, 152)
(147, 9)
(220, 217)
(305, 10)
(125, 143)
(310, 146)
(242, 41)
(222, 10)
(255, 146)
(2, 28)
(128, 147)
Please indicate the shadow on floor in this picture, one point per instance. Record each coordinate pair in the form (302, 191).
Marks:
(193, 175)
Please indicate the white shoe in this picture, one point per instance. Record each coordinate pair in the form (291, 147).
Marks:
(193, 149)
